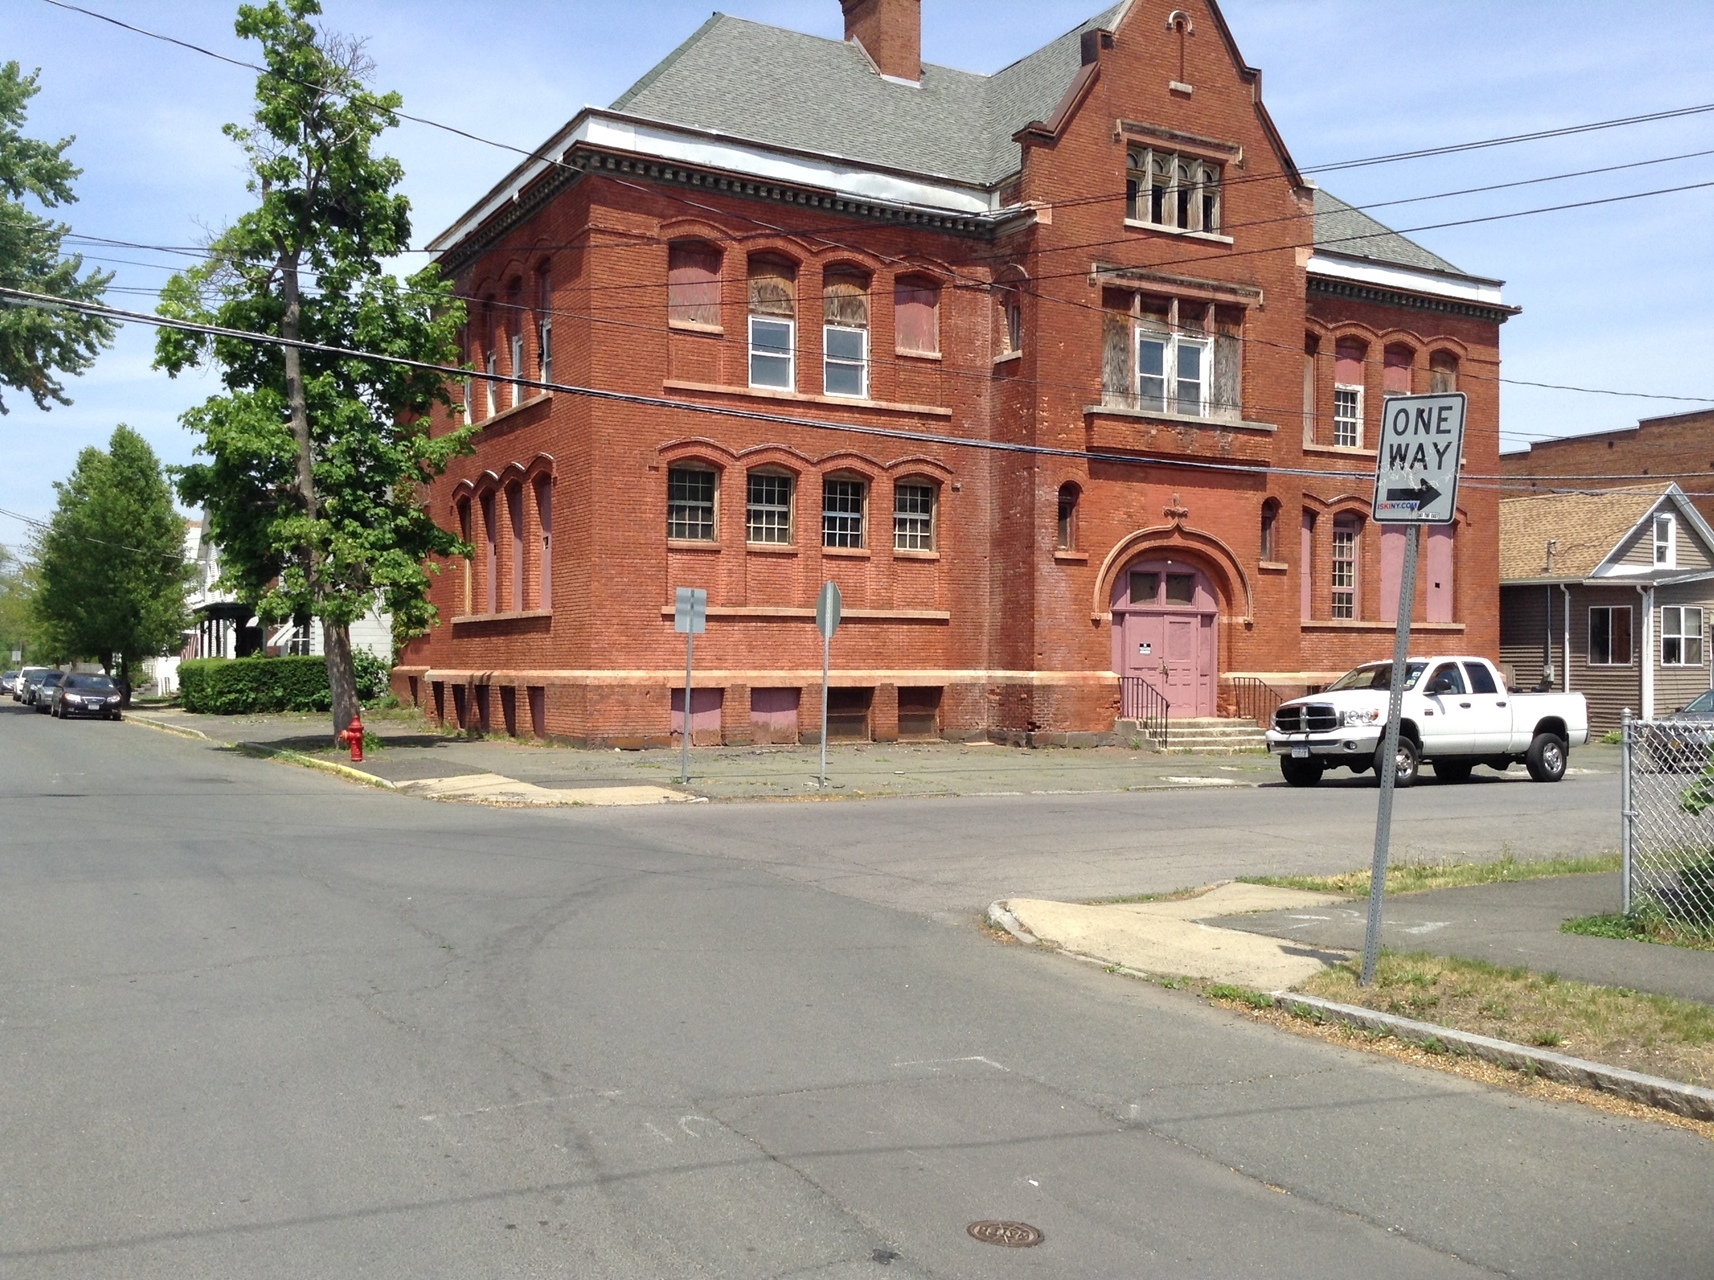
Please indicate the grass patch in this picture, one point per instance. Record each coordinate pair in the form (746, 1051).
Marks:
(1414, 877)
(1656, 1035)
(1640, 927)
(1177, 895)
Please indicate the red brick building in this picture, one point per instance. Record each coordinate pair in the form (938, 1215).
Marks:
(1678, 447)
(1062, 374)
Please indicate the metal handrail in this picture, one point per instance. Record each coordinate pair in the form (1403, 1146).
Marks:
(1141, 701)
(1254, 699)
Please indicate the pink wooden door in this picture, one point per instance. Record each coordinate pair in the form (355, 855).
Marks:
(1164, 615)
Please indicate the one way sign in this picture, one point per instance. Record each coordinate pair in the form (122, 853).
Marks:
(1416, 474)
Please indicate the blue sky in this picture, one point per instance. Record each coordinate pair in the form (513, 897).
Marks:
(1614, 296)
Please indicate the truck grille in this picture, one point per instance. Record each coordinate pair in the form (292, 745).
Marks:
(1314, 717)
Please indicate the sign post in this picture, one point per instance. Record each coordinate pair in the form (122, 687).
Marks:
(690, 617)
(827, 606)
(1416, 483)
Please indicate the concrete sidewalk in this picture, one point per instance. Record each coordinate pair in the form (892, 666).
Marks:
(412, 752)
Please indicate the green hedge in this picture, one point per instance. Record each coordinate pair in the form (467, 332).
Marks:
(250, 686)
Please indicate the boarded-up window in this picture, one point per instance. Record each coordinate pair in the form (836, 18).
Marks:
(1395, 373)
(1226, 391)
(845, 297)
(773, 716)
(1116, 361)
(848, 714)
(916, 315)
(1443, 372)
(693, 284)
(773, 286)
(919, 712)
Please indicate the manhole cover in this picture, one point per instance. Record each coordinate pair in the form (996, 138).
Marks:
(1009, 1235)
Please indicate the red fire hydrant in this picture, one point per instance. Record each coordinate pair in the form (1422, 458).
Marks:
(352, 736)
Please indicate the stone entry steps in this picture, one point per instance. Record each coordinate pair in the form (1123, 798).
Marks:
(1202, 735)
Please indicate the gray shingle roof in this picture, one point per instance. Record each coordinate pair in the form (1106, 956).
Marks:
(1339, 228)
(782, 87)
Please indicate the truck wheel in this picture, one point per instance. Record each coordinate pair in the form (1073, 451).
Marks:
(1546, 758)
(1405, 765)
(1301, 773)
(1453, 770)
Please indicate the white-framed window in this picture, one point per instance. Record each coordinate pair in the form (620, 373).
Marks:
(518, 368)
(1344, 567)
(690, 504)
(771, 353)
(845, 361)
(913, 517)
(493, 388)
(1172, 373)
(768, 509)
(1680, 636)
(1168, 190)
(844, 503)
(1666, 542)
(544, 336)
(469, 399)
(1348, 416)
(1610, 635)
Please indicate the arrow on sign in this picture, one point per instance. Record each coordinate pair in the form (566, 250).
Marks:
(1422, 495)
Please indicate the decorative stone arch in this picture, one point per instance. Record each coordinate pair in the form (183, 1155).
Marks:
(1208, 552)
(920, 464)
(699, 448)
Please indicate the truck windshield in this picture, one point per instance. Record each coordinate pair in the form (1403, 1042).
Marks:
(1376, 675)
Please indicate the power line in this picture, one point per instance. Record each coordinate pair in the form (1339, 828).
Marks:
(83, 537)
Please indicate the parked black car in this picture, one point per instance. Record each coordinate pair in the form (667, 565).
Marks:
(41, 691)
(85, 695)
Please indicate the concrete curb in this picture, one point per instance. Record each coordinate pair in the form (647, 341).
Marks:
(161, 726)
(1001, 918)
(1668, 1095)
(263, 751)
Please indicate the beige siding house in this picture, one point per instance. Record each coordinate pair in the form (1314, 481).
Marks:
(1607, 594)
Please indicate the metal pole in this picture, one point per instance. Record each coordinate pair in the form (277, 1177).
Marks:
(826, 647)
(1387, 765)
(1625, 813)
(684, 738)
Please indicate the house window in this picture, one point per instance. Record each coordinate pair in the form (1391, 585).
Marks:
(1680, 636)
(693, 285)
(1344, 566)
(843, 504)
(1172, 373)
(690, 504)
(1348, 416)
(845, 335)
(913, 517)
(768, 509)
(916, 315)
(544, 327)
(1270, 529)
(773, 306)
(1610, 635)
(1666, 542)
(1066, 534)
(518, 370)
(492, 367)
(1180, 193)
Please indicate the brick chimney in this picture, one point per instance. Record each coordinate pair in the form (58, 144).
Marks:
(890, 32)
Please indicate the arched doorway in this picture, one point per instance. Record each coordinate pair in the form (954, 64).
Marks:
(1164, 630)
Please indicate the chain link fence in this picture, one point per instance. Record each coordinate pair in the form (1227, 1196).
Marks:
(1667, 802)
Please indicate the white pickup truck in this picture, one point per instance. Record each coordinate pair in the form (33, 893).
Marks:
(1457, 714)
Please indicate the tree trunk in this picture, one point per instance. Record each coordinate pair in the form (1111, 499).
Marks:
(341, 672)
(125, 680)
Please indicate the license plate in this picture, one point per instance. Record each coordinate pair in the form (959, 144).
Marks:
(1299, 752)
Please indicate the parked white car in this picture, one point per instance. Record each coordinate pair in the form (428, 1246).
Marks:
(1457, 714)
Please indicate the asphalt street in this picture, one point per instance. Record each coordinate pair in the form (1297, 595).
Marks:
(259, 1022)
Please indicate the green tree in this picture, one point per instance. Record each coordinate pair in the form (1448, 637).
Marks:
(35, 344)
(113, 577)
(17, 615)
(317, 463)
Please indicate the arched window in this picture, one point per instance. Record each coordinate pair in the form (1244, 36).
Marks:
(515, 552)
(490, 555)
(914, 503)
(691, 491)
(544, 324)
(1306, 565)
(844, 511)
(464, 536)
(1395, 371)
(773, 322)
(1270, 529)
(916, 315)
(490, 358)
(515, 340)
(1311, 347)
(544, 521)
(768, 508)
(845, 332)
(693, 285)
(1065, 537)
(1348, 357)
(1343, 565)
(1442, 372)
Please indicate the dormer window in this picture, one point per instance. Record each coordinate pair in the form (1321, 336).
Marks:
(1665, 542)
(1179, 193)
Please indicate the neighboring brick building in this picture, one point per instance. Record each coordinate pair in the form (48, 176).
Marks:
(1678, 446)
(1063, 374)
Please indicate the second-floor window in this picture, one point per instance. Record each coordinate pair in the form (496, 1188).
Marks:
(544, 326)
(768, 511)
(1348, 416)
(690, 504)
(916, 315)
(1164, 189)
(845, 333)
(773, 326)
(1666, 542)
(1344, 564)
(518, 370)
(1172, 372)
(913, 517)
(843, 506)
(492, 395)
